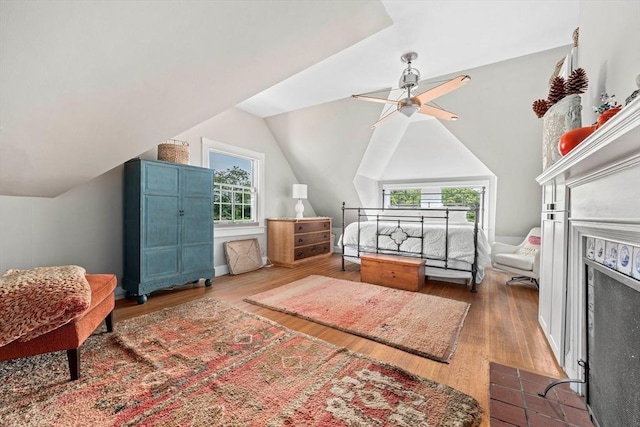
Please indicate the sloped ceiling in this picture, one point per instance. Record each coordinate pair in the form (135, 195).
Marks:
(448, 35)
(324, 145)
(428, 150)
(86, 85)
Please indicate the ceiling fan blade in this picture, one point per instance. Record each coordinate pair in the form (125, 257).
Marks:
(444, 88)
(383, 119)
(437, 113)
(374, 99)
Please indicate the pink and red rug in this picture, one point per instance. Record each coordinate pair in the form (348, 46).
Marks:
(206, 363)
(421, 324)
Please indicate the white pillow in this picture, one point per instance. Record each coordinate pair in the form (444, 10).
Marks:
(402, 212)
(435, 215)
(458, 217)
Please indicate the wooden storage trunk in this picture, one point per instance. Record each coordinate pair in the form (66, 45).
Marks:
(393, 271)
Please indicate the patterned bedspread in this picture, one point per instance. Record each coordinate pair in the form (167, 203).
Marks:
(460, 245)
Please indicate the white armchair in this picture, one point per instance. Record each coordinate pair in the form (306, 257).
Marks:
(523, 259)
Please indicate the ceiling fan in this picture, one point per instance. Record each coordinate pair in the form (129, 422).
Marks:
(412, 103)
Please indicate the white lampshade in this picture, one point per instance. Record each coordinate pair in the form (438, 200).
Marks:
(299, 191)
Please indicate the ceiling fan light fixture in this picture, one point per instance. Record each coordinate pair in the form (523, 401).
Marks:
(409, 106)
(408, 110)
(419, 103)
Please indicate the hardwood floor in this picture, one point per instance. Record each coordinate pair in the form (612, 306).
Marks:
(501, 325)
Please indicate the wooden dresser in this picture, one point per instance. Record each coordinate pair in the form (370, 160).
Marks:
(291, 241)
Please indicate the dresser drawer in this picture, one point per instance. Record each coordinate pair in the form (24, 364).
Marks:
(308, 227)
(309, 251)
(311, 238)
(292, 241)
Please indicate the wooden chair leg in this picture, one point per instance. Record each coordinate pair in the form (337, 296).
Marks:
(109, 321)
(73, 355)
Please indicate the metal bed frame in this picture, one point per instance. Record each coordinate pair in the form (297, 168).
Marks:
(399, 236)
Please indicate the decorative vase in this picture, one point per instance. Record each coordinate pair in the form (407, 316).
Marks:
(562, 116)
(570, 139)
(607, 114)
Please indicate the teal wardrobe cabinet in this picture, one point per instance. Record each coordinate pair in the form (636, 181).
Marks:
(168, 226)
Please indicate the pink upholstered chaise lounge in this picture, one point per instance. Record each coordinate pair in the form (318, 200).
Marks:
(72, 335)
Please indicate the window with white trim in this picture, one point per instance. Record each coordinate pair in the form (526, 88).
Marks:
(238, 180)
(439, 194)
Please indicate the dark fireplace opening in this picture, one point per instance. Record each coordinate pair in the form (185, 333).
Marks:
(613, 346)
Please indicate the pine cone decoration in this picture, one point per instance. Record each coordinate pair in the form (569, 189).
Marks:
(557, 90)
(540, 107)
(577, 81)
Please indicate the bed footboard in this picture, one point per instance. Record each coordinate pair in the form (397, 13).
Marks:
(409, 233)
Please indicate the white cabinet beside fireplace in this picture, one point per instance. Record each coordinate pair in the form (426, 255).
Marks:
(553, 261)
(598, 181)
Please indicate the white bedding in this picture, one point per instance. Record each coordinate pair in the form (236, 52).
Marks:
(460, 241)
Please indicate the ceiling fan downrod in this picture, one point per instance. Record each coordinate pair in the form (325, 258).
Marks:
(410, 76)
(409, 80)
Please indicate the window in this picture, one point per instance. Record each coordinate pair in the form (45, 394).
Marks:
(462, 196)
(234, 190)
(405, 198)
(237, 184)
(436, 195)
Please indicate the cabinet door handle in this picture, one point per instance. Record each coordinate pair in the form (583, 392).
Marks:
(181, 212)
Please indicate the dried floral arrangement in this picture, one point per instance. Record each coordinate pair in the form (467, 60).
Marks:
(576, 83)
(608, 102)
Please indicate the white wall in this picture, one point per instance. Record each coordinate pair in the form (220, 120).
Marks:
(499, 127)
(84, 225)
(244, 130)
(324, 145)
(428, 150)
(609, 50)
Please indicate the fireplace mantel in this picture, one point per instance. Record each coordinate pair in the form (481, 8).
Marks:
(617, 139)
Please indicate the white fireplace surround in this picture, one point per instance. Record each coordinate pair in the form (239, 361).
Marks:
(601, 178)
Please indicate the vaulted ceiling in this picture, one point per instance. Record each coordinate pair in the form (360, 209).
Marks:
(87, 85)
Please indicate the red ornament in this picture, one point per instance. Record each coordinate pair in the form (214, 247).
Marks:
(607, 114)
(570, 139)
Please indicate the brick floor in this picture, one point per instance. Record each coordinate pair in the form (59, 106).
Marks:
(514, 401)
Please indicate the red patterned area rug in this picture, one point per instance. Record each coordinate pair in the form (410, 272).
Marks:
(206, 363)
(421, 324)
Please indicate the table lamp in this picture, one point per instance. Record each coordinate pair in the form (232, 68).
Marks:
(299, 192)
